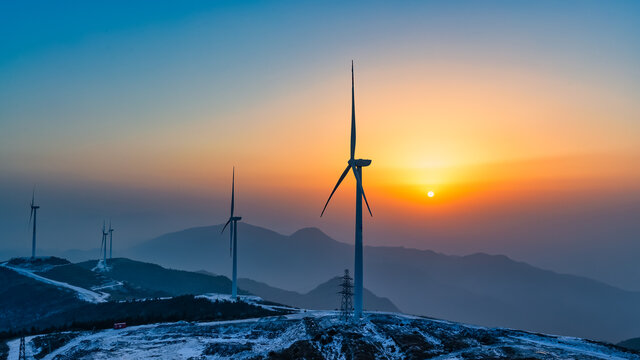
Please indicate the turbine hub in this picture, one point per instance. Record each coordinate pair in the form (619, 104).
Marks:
(236, 218)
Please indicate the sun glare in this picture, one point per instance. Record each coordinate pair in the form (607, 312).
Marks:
(430, 194)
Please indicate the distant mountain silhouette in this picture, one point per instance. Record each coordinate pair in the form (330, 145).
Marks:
(489, 290)
(631, 344)
(323, 297)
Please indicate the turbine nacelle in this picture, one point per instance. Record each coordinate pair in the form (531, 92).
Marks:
(359, 162)
(233, 237)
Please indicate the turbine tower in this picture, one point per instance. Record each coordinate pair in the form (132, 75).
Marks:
(356, 166)
(233, 238)
(104, 244)
(101, 244)
(34, 215)
(110, 241)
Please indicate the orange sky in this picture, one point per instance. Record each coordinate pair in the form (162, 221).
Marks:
(435, 125)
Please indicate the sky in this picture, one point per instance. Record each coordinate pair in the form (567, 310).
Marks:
(521, 117)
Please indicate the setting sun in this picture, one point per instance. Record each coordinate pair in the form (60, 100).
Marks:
(430, 193)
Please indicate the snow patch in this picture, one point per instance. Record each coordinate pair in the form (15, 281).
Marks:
(376, 336)
(101, 266)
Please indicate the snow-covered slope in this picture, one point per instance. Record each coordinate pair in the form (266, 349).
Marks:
(83, 294)
(320, 335)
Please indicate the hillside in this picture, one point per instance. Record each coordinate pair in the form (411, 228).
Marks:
(323, 297)
(80, 276)
(24, 300)
(631, 344)
(88, 316)
(488, 290)
(155, 278)
(318, 335)
(49, 291)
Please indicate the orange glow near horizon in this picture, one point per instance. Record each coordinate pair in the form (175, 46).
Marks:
(458, 130)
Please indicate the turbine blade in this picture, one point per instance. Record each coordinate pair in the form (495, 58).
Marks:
(30, 217)
(233, 190)
(362, 189)
(353, 116)
(344, 173)
(225, 226)
(366, 202)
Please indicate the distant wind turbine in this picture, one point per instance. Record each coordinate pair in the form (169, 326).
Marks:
(110, 241)
(356, 166)
(34, 215)
(104, 244)
(233, 237)
(101, 243)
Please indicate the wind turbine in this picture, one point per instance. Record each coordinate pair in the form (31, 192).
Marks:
(104, 244)
(34, 215)
(101, 243)
(356, 166)
(233, 238)
(110, 241)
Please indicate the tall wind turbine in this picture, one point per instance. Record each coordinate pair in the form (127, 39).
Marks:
(356, 166)
(233, 237)
(110, 241)
(34, 215)
(104, 244)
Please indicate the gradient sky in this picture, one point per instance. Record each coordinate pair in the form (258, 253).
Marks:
(522, 117)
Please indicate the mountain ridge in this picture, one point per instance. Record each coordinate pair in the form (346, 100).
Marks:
(483, 289)
(323, 297)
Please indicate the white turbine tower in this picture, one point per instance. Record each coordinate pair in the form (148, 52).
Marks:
(233, 238)
(34, 215)
(356, 166)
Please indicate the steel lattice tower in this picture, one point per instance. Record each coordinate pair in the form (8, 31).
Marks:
(23, 355)
(346, 290)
